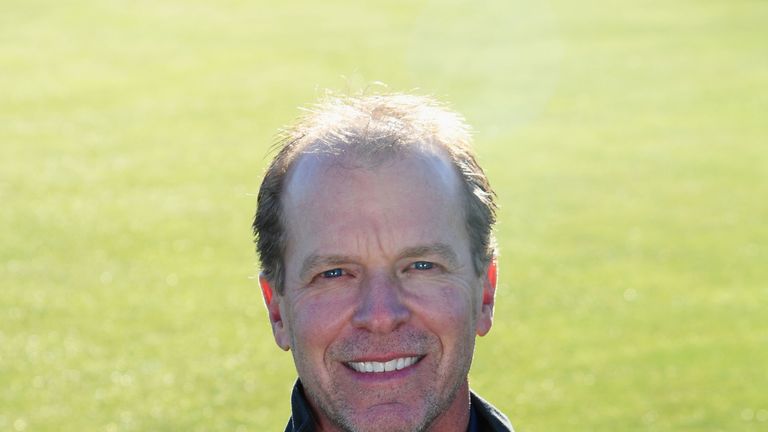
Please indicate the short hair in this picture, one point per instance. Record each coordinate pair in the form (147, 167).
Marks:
(372, 128)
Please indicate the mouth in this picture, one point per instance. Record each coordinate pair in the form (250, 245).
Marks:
(395, 364)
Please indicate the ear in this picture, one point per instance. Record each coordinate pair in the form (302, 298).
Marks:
(272, 301)
(485, 320)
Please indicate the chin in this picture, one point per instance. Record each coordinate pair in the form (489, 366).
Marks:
(389, 418)
(385, 424)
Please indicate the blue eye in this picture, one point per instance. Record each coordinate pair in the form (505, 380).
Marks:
(333, 273)
(423, 265)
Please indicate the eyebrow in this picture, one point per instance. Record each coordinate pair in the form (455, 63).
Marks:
(314, 261)
(441, 250)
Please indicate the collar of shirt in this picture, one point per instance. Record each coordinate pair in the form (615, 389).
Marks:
(482, 415)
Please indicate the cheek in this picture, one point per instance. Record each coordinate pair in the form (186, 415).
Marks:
(448, 307)
(316, 320)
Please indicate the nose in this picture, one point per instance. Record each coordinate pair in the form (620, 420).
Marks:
(380, 308)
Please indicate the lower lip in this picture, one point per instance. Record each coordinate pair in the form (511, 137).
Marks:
(373, 377)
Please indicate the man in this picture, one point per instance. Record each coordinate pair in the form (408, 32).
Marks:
(374, 231)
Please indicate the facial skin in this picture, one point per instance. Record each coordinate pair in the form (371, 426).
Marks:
(378, 268)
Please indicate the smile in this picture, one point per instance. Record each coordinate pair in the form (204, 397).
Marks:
(378, 367)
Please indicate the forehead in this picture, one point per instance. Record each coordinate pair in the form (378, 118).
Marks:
(415, 192)
(314, 175)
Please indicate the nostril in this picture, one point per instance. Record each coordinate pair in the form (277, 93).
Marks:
(380, 307)
(380, 317)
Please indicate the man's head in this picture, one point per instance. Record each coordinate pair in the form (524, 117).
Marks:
(374, 228)
(373, 129)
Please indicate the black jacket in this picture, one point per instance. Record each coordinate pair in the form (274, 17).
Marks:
(483, 417)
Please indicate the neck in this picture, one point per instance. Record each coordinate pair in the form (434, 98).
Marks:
(456, 417)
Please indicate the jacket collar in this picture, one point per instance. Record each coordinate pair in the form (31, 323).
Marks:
(301, 419)
(487, 416)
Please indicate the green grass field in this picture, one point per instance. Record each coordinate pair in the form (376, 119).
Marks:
(628, 142)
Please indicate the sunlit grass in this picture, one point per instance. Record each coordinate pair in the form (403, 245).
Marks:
(627, 142)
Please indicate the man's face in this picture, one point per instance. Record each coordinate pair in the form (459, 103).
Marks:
(381, 302)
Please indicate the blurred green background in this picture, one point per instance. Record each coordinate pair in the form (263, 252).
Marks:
(627, 142)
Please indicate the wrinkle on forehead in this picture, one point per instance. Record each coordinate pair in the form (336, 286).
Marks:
(312, 167)
(308, 193)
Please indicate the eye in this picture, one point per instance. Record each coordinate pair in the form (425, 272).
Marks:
(422, 265)
(333, 273)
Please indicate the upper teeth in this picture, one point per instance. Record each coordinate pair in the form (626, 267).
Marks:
(394, 364)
